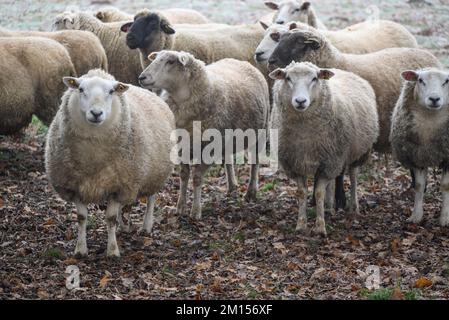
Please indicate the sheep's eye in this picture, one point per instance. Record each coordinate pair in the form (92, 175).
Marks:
(446, 82)
(315, 79)
(111, 91)
(57, 22)
(288, 79)
(296, 10)
(421, 81)
(170, 62)
(81, 90)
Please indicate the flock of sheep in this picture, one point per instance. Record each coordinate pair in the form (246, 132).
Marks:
(334, 96)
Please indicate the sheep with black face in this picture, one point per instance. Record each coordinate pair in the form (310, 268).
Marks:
(420, 132)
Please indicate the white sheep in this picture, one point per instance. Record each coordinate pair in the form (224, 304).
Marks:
(382, 69)
(84, 48)
(228, 94)
(361, 38)
(335, 115)
(30, 80)
(420, 132)
(294, 10)
(108, 142)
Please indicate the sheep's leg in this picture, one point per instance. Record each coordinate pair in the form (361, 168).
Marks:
(81, 244)
(122, 227)
(444, 218)
(111, 222)
(330, 196)
(253, 186)
(420, 184)
(340, 196)
(320, 224)
(301, 225)
(148, 218)
(231, 179)
(354, 203)
(198, 175)
(182, 199)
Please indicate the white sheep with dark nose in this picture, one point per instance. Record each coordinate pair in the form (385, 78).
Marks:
(295, 10)
(420, 132)
(108, 142)
(327, 123)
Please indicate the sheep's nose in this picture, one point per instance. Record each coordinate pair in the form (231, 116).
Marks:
(258, 55)
(141, 78)
(280, 22)
(272, 61)
(96, 114)
(300, 102)
(434, 100)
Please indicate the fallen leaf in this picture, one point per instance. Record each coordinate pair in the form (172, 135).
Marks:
(394, 246)
(423, 282)
(104, 281)
(397, 294)
(2, 203)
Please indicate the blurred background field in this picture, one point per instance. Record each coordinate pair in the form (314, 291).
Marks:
(427, 19)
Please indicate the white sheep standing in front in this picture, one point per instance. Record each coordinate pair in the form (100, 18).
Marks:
(327, 123)
(228, 94)
(108, 142)
(420, 132)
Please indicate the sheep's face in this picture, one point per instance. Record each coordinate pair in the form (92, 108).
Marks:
(431, 88)
(147, 32)
(65, 21)
(167, 69)
(295, 46)
(269, 42)
(302, 82)
(96, 96)
(290, 11)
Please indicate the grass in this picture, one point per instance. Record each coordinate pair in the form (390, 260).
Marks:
(41, 129)
(387, 294)
(269, 186)
(53, 254)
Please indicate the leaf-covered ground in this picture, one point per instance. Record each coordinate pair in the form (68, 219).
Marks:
(238, 250)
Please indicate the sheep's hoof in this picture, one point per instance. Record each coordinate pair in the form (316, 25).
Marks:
(124, 229)
(80, 255)
(251, 195)
(145, 231)
(320, 229)
(233, 194)
(196, 213)
(81, 250)
(113, 254)
(181, 208)
(301, 227)
(444, 221)
(414, 220)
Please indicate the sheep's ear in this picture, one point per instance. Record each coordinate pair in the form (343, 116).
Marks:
(305, 6)
(292, 26)
(99, 15)
(166, 27)
(71, 82)
(272, 5)
(264, 25)
(410, 75)
(278, 74)
(325, 74)
(152, 56)
(120, 88)
(313, 43)
(125, 28)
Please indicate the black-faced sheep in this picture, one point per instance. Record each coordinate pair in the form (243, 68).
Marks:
(109, 142)
(420, 132)
(334, 113)
(228, 94)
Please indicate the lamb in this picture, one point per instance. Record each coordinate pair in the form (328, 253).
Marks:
(152, 33)
(30, 81)
(381, 69)
(124, 64)
(335, 114)
(84, 48)
(420, 132)
(228, 94)
(109, 142)
(361, 38)
(174, 15)
(294, 10)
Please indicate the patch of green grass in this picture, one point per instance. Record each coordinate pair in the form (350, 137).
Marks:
(270, 186)
(168, 270)
(53, 254)
(413, 294)
(219, 244)
(41, 128)
(387, 294)
(239, 236)
(252, 293)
